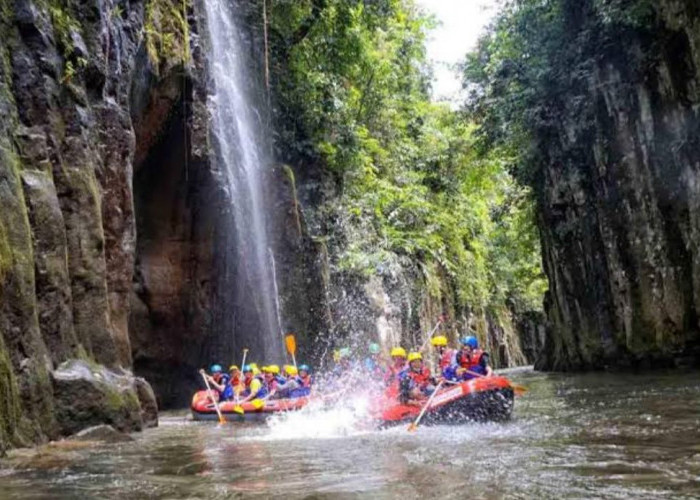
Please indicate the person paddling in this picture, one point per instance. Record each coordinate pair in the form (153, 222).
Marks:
(398, 364)
(416, 381)
(374, 364)
(284, 390)
(253, 386)
(445, 354)
(470, 361)
(235, 379)
(304, 380)
(219, 382)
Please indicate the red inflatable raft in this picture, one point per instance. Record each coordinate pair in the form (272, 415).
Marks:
(478, 400)
(203, 408)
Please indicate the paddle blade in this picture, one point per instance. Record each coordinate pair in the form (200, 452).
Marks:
(222, 420)
(412, 427)
(238, 409)
(291, 343)
(519, 390)
(257, 403)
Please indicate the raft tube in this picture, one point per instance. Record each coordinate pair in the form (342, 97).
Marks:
(203, 409)
(487, 399)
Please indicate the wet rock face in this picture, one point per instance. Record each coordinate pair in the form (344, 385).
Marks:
(619, 204)
(67, 225)
(87, 395)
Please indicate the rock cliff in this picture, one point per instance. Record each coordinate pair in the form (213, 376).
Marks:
(619, 190)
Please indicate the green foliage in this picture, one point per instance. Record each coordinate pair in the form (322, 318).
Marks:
(351, 88)
(536, 60)
(167, 31)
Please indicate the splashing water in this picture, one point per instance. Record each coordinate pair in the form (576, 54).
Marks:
(348, 417)
(243, 153)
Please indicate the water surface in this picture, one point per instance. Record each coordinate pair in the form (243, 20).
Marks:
(583, 436)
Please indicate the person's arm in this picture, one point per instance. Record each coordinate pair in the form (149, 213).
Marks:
(485, 364)
(254, 389)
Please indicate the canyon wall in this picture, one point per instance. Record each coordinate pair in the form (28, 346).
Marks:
(620, 186)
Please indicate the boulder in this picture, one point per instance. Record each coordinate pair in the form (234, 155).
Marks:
(103, 433)
(147, 399)
(88, 394)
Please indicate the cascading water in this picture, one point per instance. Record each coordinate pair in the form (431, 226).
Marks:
(243, 153)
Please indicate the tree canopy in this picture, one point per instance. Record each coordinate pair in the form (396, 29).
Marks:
(351, 88)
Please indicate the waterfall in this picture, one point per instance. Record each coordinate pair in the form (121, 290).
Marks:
(243, 152)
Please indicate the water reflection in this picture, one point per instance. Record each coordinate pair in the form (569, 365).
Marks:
(599, 435)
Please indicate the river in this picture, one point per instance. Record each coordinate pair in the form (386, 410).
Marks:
(572, 436)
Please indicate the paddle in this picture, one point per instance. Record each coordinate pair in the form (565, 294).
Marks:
(291, 344)
(245, 354)
(414, 425)
(518, 389)
(257, 404)
(222, 420)
(430, 334)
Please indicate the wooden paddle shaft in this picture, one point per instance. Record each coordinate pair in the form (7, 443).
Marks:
(211, 396)
(430, 335)
(427, 405)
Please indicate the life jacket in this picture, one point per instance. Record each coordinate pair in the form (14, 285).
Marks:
(259, 387)
(446, 358)
(420, 379)
(471, 362)
(227, 393)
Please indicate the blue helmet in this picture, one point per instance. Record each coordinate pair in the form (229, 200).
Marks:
(215, 369)
(247, 368)
(304, 368)
(374, 348)
(470, 341)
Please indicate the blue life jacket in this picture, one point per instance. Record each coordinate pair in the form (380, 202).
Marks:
(302, 390)
(227, 393)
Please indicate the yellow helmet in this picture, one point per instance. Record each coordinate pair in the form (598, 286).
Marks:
(439, 341)
(274, 369)
(414, 356)
(232, 367)
(254, 368)
(291, 370)
(398, 352)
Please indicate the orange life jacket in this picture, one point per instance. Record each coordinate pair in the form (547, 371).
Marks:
(446, 358)
(305, 381)
(471, 362)
(420, 378)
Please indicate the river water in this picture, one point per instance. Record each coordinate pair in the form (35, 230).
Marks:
(572, 436)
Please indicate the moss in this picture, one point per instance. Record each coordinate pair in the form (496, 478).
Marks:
(167, 31)
(114, 401)
(9, 400)
(289, 173)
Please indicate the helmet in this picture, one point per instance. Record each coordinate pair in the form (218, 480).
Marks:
(439, 341)
(254, 368)
(232, 367)
(414, 356)
(215, 369)
(470, 341)
(336, 355)
(247, 369)
(291, 370)
(304, 368)
(274, 369)
(374, 348)
(398, 352)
